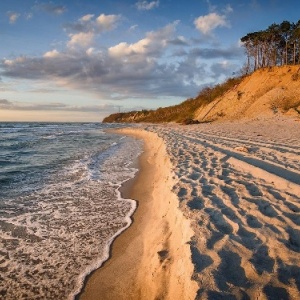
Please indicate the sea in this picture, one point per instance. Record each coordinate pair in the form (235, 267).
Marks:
(60, 205)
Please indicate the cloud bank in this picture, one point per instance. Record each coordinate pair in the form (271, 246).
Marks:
(159, 64)
(126, 70)
(20, 106)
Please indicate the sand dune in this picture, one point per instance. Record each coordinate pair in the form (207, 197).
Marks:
(239, 184)
(266, 92)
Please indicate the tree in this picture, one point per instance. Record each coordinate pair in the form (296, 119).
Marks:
(296, 41)
(273, 41)
(285, 30)
(279, 44)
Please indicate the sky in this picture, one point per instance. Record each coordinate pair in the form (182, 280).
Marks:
(80, 60)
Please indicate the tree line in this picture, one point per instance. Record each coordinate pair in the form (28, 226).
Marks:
(278, 45)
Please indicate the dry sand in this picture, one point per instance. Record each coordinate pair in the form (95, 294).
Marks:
(238, 183)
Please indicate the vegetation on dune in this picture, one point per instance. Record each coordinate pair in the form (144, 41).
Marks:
(278, 45)
(180, 113)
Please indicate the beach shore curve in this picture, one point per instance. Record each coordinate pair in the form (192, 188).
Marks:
(152, 258)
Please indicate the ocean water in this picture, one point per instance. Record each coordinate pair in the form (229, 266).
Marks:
(60, 207)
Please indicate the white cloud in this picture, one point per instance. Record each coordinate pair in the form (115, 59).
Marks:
(13, 17)
(51, 54)
(81, 39)
(152, 44)
(8, 62)
(206, 24)
(86, 18)
(90, 51)
(88, 23)
(18, 60)
(107, 22)
(125, 49)
(145, 5)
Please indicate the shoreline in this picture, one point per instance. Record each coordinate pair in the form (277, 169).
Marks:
(151, 258)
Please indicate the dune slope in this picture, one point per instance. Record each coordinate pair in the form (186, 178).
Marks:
(266, 92)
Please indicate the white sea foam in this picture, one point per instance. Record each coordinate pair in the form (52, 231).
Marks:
(105, 257)
(51, 238)
(116, 160)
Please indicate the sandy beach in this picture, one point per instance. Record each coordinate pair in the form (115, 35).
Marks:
(151, 259)
(218, 215)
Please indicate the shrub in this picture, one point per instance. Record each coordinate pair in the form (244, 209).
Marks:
(239, 95)
(179, 113)
(295, 76)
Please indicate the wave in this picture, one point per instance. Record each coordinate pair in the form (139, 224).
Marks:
(62, 210)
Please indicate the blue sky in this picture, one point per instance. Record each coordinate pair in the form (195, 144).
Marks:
(82, 60)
